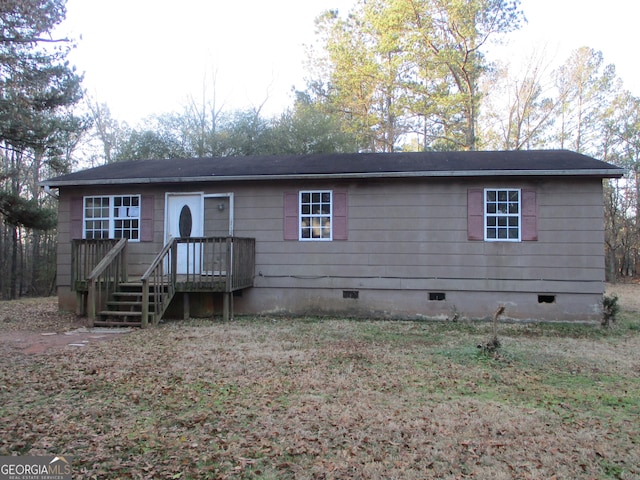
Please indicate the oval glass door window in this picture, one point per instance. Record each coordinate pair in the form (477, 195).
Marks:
(186, 222)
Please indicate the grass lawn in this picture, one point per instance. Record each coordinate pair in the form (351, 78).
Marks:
(332, 398)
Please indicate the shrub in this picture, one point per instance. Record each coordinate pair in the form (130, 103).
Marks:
(610, 309)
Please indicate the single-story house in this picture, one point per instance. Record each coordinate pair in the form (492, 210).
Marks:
(397, 235)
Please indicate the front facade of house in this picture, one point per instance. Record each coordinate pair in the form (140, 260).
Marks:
(420, 235)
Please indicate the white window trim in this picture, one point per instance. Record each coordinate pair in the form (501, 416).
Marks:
(112, 217)
(300, 215)
(484, 209)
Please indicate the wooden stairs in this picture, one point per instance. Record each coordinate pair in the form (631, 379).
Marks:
(124, 307)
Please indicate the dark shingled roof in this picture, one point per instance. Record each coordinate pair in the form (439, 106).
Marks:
(343, 165)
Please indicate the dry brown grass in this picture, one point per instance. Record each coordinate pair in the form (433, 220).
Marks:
(319, 399)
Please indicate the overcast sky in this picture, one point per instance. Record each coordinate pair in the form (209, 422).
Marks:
(148, 56)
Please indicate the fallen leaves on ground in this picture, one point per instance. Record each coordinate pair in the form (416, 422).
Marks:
(320, 399)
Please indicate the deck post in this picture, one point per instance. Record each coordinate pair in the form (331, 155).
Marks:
(186, 312)
(174, 262)
(225, 306)
(80, 303)
(144, 319)
(91, 302)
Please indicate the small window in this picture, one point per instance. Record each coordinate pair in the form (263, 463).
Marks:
(112, 217)
(437, 296)
(315, 215)
(502, 215)
(353, 294)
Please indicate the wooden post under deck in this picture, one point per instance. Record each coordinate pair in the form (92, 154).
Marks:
(81, 299)
(144, 318)
(185, 306)
(226, 305)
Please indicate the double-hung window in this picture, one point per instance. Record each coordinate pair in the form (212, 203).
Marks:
(316, 215)
(502, 221)
(114, 216)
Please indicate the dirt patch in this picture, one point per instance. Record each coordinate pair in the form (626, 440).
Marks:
(35, 325)
(35, 342)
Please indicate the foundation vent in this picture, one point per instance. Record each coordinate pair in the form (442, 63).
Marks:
(546, 299)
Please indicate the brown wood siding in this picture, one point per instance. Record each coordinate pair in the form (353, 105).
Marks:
(402, 234)
(140, 254)
(417, 232)
(64, 240)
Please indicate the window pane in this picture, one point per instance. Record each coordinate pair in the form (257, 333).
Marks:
(502, 214)
(112, 217)
(315, 215)
(126, 216)
(96, 215)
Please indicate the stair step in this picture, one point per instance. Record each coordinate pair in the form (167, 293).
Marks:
(137, 295)
(116, 303)
(111, 323)
(139, 292)
(139, 284)
(118, 313)
(128, 300)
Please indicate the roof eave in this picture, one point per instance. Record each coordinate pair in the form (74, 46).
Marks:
(601, 173)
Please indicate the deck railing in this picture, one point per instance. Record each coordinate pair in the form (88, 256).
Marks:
(161, 276)
(220, 264)
(205, 264)
(85, 255)
(104, 279)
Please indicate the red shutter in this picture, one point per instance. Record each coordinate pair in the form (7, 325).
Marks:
(340, 225)
(529, 215)
(146, 218)
(475, 214)
(76, 215)
(291, 216)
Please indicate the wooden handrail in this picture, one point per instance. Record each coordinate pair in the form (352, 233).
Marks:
(105, 278)
(162, 275)
(107, 259)
(85, 256)
(158, 259)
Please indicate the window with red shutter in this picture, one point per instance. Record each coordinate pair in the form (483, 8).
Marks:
(315, 215)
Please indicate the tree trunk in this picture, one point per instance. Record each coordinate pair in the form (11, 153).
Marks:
(613, 268)
(13, 276)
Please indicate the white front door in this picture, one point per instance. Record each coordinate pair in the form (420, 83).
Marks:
(185, 219)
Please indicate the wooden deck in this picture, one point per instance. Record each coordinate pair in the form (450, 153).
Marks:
(108, 296)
